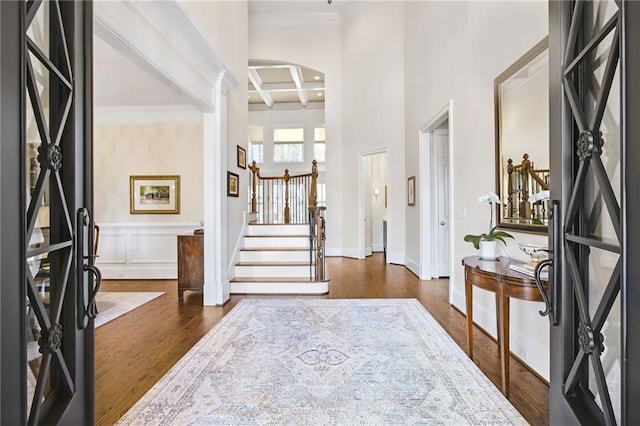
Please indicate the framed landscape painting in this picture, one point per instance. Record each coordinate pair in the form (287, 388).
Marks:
(154, 194)
(232, 184)
(242, 157)
(411, 191)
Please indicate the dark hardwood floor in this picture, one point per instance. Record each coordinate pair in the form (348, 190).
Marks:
(134, 351)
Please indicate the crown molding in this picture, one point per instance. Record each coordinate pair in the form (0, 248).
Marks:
(144, 114)
(294, 19)
(161, 38)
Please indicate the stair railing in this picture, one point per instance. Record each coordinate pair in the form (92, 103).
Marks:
(283, 199)
(317, 235)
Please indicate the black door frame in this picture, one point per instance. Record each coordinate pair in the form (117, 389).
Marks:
(562, 146)
(630, 67)
(12, 270)
(77, 173)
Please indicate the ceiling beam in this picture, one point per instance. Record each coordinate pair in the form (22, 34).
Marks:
(296, 75)
(255, 79)
(289, 87)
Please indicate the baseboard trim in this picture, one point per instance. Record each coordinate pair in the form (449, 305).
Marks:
(411, 265)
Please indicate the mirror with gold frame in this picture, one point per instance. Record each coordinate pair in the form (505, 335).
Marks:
(522, 141)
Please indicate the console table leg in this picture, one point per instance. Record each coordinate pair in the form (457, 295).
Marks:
(504, 346)
(468, 295)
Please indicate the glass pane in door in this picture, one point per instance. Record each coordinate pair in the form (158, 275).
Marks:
(602, 263)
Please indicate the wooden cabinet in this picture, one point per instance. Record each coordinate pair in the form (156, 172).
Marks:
(190, 263)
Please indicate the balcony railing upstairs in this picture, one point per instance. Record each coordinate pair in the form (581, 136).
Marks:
(283, 199)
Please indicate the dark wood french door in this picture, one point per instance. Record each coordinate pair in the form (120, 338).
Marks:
(48, 277)
(594, 149)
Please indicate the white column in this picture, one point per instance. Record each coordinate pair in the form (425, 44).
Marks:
(216, 280)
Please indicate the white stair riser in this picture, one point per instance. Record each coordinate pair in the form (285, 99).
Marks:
(280, 288)
(276, 242)
(270, 271)
(274, 256)
(278, 229)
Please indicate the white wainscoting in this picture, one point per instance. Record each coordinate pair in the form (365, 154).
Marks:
(140, 250)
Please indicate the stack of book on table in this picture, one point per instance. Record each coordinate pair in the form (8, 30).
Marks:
(528, 269)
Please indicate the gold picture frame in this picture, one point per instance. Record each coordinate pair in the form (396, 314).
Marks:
(411, 191)
(233, 183)
(154, 194)
(242, 157)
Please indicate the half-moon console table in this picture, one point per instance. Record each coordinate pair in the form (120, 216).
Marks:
(495, 276)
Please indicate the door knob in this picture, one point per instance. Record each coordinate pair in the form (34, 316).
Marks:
(442, 223)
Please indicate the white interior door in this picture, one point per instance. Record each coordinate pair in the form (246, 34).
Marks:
(441, 145)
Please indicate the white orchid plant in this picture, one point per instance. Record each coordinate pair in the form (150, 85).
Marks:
(493, 235)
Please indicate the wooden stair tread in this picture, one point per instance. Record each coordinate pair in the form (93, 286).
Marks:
(284, 263)
(272, 280)
(277, 236)
(279, 224)
(274, 249)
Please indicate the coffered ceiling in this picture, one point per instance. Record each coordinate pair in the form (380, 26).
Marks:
(280, 85)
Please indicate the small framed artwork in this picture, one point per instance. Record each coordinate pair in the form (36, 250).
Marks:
(154, 194)
(385, 196)
(233, 182)
(411, 191)
(242, 157)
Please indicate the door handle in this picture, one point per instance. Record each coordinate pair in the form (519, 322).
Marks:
(88, 276)
(552, 300)
(443, 223)
(545, 297)
(91, 310)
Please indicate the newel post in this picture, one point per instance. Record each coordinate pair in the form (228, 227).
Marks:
(254, 171)
(287, 217)
(313, 192)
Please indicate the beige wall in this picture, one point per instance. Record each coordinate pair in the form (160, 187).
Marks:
(122, 150)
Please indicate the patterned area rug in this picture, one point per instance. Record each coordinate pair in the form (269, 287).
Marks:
(112, 305)
(328, 362)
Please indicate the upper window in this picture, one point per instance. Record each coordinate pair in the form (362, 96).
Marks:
(319, 145)
(288, 145)
(256, 147)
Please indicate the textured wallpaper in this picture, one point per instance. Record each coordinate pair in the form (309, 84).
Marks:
(122, 150)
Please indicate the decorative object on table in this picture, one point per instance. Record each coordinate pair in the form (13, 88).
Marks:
(488, 243)
(537, 252)
(154, 194)
(233, 183)
(528, 270)
(411, 191)
(242, 157)
(375, 358)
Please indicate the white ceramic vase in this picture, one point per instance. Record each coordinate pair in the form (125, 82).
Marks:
(488, 250)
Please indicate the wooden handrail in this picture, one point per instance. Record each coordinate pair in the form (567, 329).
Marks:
(524, 180)
(279, 188)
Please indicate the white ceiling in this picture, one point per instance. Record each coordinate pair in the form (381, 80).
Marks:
(121, 81)
(302, 12)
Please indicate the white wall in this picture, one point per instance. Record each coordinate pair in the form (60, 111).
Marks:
(224, 25)
(454, 50)
(318, 47)
(373, 93)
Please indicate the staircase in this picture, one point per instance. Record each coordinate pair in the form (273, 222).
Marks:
(275, 259)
